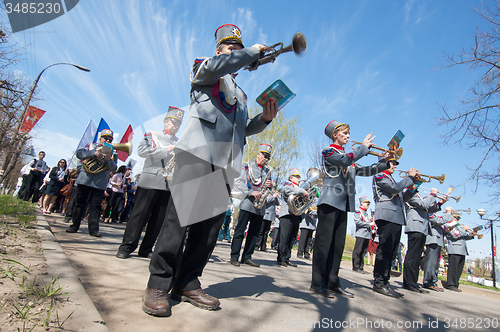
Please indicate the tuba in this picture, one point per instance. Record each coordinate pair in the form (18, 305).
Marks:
(298, 46)
(264, 193)
(97, 165)
(298, 204)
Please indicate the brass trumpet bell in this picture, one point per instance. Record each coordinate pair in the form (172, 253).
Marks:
(422, 177)
(125, 147)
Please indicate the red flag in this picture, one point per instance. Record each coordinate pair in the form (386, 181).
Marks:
(31, 118)
(127, 137)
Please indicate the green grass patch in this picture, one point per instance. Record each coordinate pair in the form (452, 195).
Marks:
(24, 211)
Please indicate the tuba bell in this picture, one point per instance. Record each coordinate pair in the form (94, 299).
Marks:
(297, 205)
(97, 165)
(298, 46)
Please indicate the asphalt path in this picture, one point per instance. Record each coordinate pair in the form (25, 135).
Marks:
(269, 298)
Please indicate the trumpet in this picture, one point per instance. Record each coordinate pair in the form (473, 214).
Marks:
(298, 46)
(462, 211)
(423, 178)
(443, 196)
(397, 153)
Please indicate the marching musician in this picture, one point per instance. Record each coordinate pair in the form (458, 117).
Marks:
(254, 181)
(336, 199)
(457, 250)
(151, 198)
(363, 234)
(92, 184)
(434, 243)
(269, 216)
(417, 229)
(208, 159)
(389, 218)
(289, 223)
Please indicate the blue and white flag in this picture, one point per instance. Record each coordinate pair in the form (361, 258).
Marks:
(88, 135)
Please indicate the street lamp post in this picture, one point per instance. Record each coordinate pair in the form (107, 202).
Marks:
(27, 103)
(16, 136)
(481, 213)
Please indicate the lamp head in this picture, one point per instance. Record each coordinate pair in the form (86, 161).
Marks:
(481, 212)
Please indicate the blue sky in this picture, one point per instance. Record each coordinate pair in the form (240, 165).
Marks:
(372, 64)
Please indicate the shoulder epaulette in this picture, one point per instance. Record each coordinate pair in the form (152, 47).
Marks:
(379, 175)
(244, 165)
(200, 59)
(288, 183)
(327, 152)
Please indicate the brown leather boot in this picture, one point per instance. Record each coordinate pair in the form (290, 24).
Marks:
(196, 297)
(155, 302)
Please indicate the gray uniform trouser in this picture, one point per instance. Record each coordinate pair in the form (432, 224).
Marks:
(431, 268)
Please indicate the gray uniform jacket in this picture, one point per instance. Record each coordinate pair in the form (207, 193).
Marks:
(388, 197)
(289, 189)
(247, 185)
(340, 176)
(213, 133)
(417, 213)
(270, 207)
(153, 147)
(309, 221)
(437, 233)
(457, 241)
(99, 180)
(363, 227)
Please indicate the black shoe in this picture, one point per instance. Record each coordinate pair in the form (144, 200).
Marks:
(122, 254)
(453, 288)
(300, 256)
(307, 257)
(386, 291)
(235, 262)
(360, 271)
(415, 289)
(282, 264)
(95, 234)
(290, 264)
(148, 255)
(71, 230)
(250, 262)
(322, 291)
(342, 292)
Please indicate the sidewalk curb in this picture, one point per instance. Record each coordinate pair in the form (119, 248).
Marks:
(84, 315)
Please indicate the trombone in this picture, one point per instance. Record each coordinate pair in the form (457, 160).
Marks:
(397, 153)
(443, 196)
(423, 178)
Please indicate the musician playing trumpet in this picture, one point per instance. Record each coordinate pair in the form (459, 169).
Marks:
(254, 181)
(336, 199)
(457, 250)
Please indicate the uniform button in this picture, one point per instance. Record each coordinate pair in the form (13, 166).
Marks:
(235, 124)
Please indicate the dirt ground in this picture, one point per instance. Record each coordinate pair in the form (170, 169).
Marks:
(25, 303)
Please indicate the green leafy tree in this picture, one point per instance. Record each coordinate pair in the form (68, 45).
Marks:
(283, 133)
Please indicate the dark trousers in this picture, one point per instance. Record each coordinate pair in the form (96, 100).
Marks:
(276, 238)
(389, 236)
(305, 242)
(113, 206)
(252, 235)
(35, 179)
(359, 252)
(225, 231)
(175, 265)
(264, 232)
(71, 205)
(150, 207)
(24, 187)
(328, 247)
(96, 197)
(127, 210)
(411, 265)
(455, 267)
(289, 227)
(431, 266)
